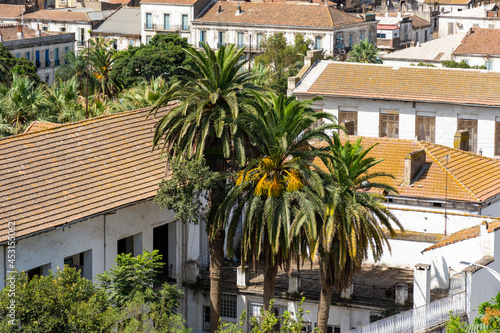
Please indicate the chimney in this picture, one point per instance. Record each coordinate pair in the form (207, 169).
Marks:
(399, 14)
(238, 10)
(242, 276)
(20, 34)
(219, 9)
(38, 32)
(414, 162)
(294, 283)
(401, 293)
(483, 228)
(461, 140)
(421, 285)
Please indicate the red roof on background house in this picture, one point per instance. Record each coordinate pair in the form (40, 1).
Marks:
(387, 27)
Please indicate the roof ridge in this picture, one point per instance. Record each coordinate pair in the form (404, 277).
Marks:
(75, 124)
(330, 14)
(472, 194)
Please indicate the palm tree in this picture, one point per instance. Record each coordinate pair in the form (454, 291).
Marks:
(364, 52)
(270, 190)
(203, 125)
(101, 60)
(4, 71)
(350, 219)
(64, 96)
(146, 94)
(22, 101)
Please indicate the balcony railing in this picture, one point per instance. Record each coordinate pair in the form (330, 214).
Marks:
(163, 27)
(419, 319)
(47, 63)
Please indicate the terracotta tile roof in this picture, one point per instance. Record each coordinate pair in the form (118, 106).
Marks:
(418, 22)
(448, 2)
(77, 170)
(38, 126)
(471, 177)
(282, 14)
(419, 84)
(464, 235)
(10, 33)
(480, 41)
(171, 2)
(57, 15)
(11, 11)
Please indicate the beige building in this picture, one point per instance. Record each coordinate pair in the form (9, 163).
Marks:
(45, 50)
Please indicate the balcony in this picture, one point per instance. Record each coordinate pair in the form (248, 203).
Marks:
(57, 62)
(47, 63)
(169, 28)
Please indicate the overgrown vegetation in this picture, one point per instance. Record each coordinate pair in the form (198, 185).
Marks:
(487, 321)
(461, 64)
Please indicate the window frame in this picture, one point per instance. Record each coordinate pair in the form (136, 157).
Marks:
(385, 116)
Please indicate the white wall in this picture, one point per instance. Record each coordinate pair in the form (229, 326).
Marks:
(101, 234)
(68, 27)
(464, 24)
(446, 119)
(158, 10)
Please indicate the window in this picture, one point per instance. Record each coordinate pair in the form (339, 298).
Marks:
(347, 114)
(425, 36)
(115, 44)
(228, 306)
(203, 37)
(361, 36)
(62, 29)
(185, 25)
(497, 136)
(47, 58)
(491, 26)
(475, 25)
(131, 244)
(206, 318)
(28, 55)
(45, 28)
(450, 28)
(57, 62)
(222, 39)
(416, 36)
(131, 43)
(239, 41)
(370, 37)
(389, 123)
(81, 262)
(333, 329)
(37, 59)
(381, 35)
(469, 124)
(166, 21)
(148, 39)
(66, 50)
(18, 55)
(149, 21)
(351, 40)
(47, 78)
(489, 65)
(260, 37)
(425, 127)
(40, 270)
(317, 43)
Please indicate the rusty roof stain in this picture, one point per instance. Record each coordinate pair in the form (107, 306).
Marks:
(78, 170)
(469, 177)
(414, 83)
(480, 41)
(464, 235)
(282, 14)
(11, 11)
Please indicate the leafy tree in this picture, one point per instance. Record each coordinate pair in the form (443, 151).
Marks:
(63, 98)
(488, 319)
(364, 52)
(20, 66)
(273, 186)
(59, 302)
(131, 275)
(186, 188)
(461, 64)
(161, 57)
(75, 66)
(281, 58)
(203, 125)
(21, 101)
(350, 219)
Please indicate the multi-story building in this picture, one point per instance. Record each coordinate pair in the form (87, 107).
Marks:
(123, 28)
(444, 106)
(246, 24)
(45, 50)
(169, 16)
(460, 22)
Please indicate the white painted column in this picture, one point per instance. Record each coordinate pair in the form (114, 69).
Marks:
(421, 285)
(345, 320)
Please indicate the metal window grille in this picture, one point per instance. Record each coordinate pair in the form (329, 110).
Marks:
(228, 306)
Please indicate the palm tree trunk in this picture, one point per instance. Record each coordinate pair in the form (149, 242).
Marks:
(270, 271)
(216, 249)
(325, 297)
